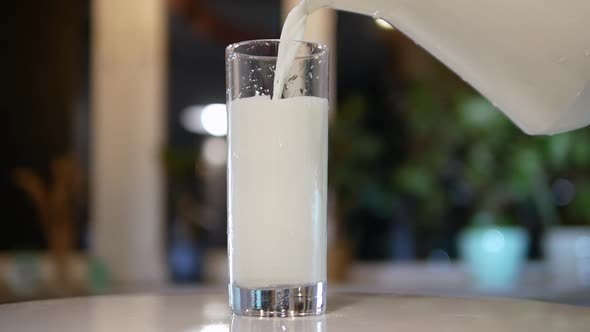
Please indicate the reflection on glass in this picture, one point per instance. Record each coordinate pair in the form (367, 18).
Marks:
(307, 324)
(215, 328)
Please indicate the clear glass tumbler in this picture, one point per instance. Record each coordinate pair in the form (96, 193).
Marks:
(277, 181)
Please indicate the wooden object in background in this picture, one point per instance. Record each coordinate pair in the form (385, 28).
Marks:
(57, 202)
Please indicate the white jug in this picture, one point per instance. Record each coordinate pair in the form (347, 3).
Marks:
(531, 58)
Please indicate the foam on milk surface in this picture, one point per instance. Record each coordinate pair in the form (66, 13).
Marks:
(277, 176)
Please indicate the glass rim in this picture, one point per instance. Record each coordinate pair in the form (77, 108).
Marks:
(322, 49)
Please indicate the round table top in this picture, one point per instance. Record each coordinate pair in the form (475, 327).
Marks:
(208, 312)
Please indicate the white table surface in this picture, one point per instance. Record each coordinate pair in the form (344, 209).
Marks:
(207, 312)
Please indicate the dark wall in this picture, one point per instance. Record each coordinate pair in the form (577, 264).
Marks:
(40, 79)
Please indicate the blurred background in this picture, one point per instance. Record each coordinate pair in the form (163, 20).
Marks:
(114, 160)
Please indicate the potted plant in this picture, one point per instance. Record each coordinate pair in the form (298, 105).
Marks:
(466, 156)
(546, 176)
(502, 168)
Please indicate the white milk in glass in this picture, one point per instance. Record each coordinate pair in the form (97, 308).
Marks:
(278, 179)
(531, 58)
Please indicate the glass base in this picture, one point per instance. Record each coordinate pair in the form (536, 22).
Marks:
(278, 301)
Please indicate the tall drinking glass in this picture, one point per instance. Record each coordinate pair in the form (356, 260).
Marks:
(277, 181)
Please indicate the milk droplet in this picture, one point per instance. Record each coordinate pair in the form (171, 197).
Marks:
(562, 59)
(587, 53)
(376, 14)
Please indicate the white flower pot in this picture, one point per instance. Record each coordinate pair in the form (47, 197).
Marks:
(567, 253)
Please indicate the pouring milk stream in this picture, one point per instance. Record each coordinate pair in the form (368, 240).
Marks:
(531, 58)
